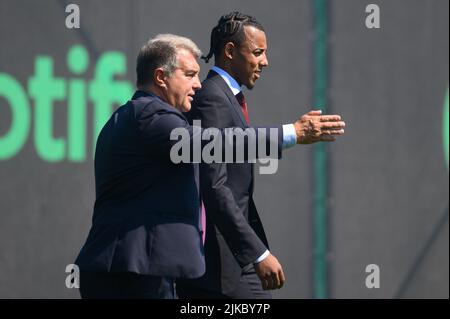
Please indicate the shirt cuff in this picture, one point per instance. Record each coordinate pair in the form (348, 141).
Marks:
(289, 136)
(262, 257)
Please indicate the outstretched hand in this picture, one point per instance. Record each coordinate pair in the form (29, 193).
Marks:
(314, 127)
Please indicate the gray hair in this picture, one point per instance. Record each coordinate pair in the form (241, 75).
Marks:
(161, 52)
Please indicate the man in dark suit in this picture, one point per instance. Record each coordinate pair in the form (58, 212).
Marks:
(146, 227)
(238, 261)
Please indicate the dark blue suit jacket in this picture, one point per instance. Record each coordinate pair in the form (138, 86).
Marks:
(146, 215)
(235, 235)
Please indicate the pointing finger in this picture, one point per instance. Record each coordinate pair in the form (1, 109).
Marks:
(330, 118)
(333, 125)
(315, 112)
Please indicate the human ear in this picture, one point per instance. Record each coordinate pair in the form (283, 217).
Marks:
(159, 77)
(229, 50)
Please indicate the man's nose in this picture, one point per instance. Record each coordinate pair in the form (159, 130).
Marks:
(264, 62)
(197, 85)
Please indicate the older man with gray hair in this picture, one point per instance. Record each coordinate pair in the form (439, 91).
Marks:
(145, 227)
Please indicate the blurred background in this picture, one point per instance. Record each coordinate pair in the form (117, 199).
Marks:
(379, 195)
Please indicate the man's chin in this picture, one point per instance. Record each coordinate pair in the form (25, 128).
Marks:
(185, 107)
(250, 85)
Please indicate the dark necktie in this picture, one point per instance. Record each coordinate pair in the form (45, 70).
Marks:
(241, 100)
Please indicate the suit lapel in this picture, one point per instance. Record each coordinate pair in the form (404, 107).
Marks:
(235, 106)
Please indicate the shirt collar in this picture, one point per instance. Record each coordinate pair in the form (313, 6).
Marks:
(234, 86)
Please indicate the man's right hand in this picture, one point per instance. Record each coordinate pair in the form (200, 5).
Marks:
(270, 273)
(314, 127)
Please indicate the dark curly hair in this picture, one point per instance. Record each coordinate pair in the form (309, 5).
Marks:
(230, 28)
